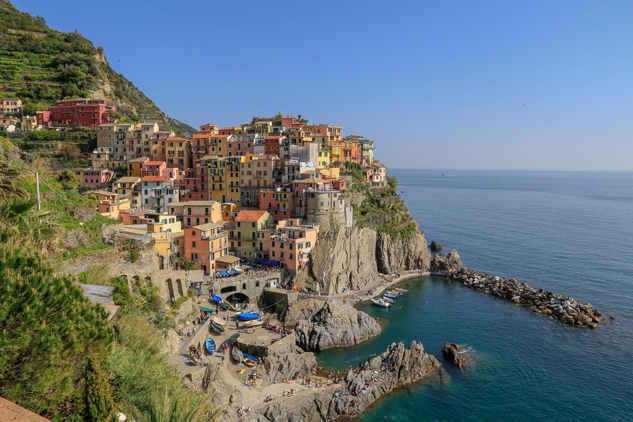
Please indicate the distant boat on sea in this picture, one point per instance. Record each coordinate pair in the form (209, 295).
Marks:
(444, 174)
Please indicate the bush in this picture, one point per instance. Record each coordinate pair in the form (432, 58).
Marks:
(134, 253)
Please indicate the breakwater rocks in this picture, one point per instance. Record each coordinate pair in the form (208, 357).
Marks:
(446, 263)
(436, 247)
(563, 308)
(374, 378)
(451, 354)
(335, 324)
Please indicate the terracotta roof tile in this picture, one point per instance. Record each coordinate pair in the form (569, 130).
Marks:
(155, 179)
(11, 412)
(249, 215)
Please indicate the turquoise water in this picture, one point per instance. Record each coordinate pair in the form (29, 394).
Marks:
(571, 233)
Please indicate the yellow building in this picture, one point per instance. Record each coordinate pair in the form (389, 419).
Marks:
(323, 160)
(231, 130)
(263, 128)
(251, 227)
(219, 145)
(134, 166)
(29, 123)
(224, 177)
(178, 153)
(194, 213)
(336, 153)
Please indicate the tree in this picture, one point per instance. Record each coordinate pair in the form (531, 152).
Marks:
(188, 264)
(393, 183)
(67, 179)
(47, 327)
(69, 90)
(98, 393)
(8, 189)
(18, 220)
(70, 152)
(167, 408)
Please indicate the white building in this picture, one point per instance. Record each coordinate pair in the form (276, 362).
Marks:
(158, 192)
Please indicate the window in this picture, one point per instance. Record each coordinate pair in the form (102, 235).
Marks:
(193, 244)
(193, 232)
(282, 255)
(253, 224)
(290, 256)
(273, 253)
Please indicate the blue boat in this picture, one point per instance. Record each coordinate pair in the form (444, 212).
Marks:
(251, 357)
(210, 344)
(248, 316)
(217, 298)
(390, 295)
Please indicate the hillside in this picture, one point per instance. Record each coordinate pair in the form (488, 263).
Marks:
(41, 65)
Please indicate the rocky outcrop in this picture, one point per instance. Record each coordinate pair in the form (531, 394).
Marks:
(336, 324)
(436, 247)
(345, 258)
(451, 354)
(376, 377)
(400, 253)
(446, 264)
(562, 308)
(222, 396)
(302, 309)
(284, 366)
(170, 343)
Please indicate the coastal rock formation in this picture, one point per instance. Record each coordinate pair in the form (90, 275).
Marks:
(170, 343)
(451, 354)
(336, 324)
(446, 264)
(402, 253)
(345, 258)
(284, 366)
(302, 309)
(376, 377)
(436, 247)
(563, 308)
(221, 394)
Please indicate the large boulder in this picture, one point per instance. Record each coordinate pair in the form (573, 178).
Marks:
(436, 247)
(449, 264)
(336, 324)
(451, 354)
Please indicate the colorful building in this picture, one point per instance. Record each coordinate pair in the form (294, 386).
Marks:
(10, 105)
(158, 192)
(96, 178)
(194, 213)
(291, 245)
(249, 237)
(124, 187)
(178, 153)
(206, 243)
(278, 202)
(82, 112)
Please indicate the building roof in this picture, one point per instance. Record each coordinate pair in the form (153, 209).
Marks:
(220, 136)
(11, 412)
(201, 135)
(309, 180)
(130, 179)
(155, 179)
(176, 138)
(194, 203)
(228, 259)
(153, 163)
(246, 215)
(208, 226)
(98, 294)
(138, 160)
(112, 310)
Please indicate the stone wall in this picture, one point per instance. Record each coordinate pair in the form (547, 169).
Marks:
(280, 298)
(252, 286)
(280, 347)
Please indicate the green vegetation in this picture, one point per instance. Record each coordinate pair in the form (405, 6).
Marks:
(40, 66)
(188, 264)
(47, 328)
(134, 253)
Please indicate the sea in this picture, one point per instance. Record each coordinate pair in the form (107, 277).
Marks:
(567, 232)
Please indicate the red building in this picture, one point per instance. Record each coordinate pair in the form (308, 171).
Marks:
(272, 145)
(82, 112)
(43, 118)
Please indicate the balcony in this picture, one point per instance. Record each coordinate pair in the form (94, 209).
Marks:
(212, 236)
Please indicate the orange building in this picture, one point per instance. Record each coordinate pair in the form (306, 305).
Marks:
(291, 245)
(206, 243)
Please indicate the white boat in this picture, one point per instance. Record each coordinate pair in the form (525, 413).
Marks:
(403, 291)
(254, 323)
(380, 302)
(386, 299)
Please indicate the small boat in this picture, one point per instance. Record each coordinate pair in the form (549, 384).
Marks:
(249, 362)
(248, 316)
(253, 323)
(237, 354)
(234, 338)
(386, 299)
(402, 291)
(217, 298)
(444, 174)
(391, 295)
(401, 191)
(393, 292)
(380, 302)
(225, 305)
(251, 357)
(218, 321)
(210, 345)
(217, 327)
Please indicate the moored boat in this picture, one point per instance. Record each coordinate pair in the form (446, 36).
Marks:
(248, 316)
(217, 298)
(253, 323)
(225, 305)
(249, 362)
(386, 299)
(217, 327)
(234, 338)
(390, 295)
(399, 290)
(380, 302)
(210, 345)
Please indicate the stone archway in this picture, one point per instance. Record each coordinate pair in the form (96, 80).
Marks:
(237, 298)
(180, 289)
(228, 289)
(170, 288)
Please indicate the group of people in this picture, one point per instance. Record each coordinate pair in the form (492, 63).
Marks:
(190, 333)
(242, 411)
(195, 354)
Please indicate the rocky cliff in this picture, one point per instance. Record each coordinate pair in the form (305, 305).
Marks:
(376, 377)
(397, 253)
(336, 324)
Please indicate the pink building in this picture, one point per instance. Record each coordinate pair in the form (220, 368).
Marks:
(241, 145)
(291, 245)
(278, 202)
(299, 188)
(82, 112)
(97, 178)
(272, 145)
(206, 243)
(44, 118)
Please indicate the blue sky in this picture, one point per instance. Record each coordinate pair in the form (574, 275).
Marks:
(529, 85)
